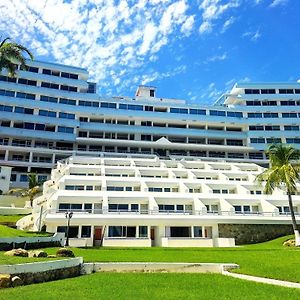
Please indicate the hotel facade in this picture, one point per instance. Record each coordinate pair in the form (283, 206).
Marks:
(51, 112)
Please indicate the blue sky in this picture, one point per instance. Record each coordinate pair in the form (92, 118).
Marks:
(193, 50)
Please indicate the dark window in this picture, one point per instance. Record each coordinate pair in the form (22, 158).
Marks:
(66, 115)
(86, 231)
(289, 115)
(108, 105)
(48, 99)
(236, 114)
(217, 113)
(67, 101)
(65, 129)
(178, 110)
(197, 111)
(152, 93)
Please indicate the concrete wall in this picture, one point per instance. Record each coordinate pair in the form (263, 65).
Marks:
(188, 242)
(14, 211)
(253, 233)
(115, 242)
(44, 271)
(32, 242)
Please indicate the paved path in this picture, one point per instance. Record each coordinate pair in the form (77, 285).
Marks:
(263, 280)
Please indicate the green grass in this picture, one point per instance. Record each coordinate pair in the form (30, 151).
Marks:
(268, 259)
(11, 232)
(10, 218)
(150, 286)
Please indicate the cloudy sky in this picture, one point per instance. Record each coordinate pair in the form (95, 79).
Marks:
(193, 50)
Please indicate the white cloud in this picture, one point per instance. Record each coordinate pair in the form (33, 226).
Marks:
(253, 35)
(213, 10)
(217, 57)
(113, 39)
(278, 2)
(227, 24)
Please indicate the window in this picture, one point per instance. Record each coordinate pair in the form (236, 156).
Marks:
(251, 91)
(270, 115)
(7, 79)
(178, 110)
(6, 108)
(273, 140)
(108, 105)
(67, 101)
(257, 140)
(236, 114)
(48, 99)
(272, 127)
(253, 103)
(86, 231)
(291, 127)
(27, 82)
(286, 91)
(68, 88)
(25, 96)
(254, 115)
(23, 110)
(51, 72)
(256, 127)
(47, 113)
(152, 93)
(65, 129)
(293, 140)
(267, 91)
(66, 115)
(217, 113)
(69, 75)
(23, 178)
(50, 85)
(288, 103)
(197, 111)
(269, 103)
(88, 103)
(289, 115)
(7, 93)
(197, 231)
(143, 231)
(130, 107)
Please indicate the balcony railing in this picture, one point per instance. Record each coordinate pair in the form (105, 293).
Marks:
(172, 212)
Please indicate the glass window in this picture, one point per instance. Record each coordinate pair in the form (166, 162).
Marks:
(65, 129)
(197, 111)
(143, 231)
(86, 231)
(108, 105)
(67, 101)
(197, 231)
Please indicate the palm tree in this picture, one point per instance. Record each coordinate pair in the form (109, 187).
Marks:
(12, 54)
(34, 188)
(283, 172)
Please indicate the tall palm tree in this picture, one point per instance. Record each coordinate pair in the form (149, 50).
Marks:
(12, 54)
(34, 188)
(283, 172)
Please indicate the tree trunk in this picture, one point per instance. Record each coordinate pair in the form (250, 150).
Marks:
(294, 223)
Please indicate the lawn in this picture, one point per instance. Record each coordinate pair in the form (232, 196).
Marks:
(11, 232)
(150, 286)
(268, 259)
(10, 218)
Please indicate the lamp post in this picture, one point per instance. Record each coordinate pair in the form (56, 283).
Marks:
(69, 215)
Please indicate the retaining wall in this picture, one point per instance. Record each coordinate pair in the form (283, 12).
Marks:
(253, 233)
(44, 271)
(36, 242)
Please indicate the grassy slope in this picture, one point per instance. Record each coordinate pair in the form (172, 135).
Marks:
(11, 232)
(268, 259)
(10, 218)
(150, 286)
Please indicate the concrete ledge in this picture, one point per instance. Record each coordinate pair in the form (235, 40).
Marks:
(57, 237)
(89, 268)
(37, 267)
(263, 280)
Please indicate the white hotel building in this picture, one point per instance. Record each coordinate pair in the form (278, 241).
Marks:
(51, 112)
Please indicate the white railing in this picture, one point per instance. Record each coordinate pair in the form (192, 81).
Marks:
(170, 212)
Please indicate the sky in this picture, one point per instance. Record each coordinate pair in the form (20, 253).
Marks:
(194, 50)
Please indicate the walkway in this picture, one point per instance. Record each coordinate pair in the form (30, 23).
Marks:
(263, 280)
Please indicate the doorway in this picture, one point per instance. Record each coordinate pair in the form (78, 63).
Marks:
(97, 235)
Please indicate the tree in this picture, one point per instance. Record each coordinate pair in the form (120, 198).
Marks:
(12, 54)
(34, 188)
(283, 172)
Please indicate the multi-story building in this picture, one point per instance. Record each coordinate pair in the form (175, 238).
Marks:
(50, 112)
(147, 201)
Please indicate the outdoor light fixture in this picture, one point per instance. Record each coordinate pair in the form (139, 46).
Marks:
(69, 215)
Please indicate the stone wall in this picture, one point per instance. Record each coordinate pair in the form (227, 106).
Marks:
(253, 233)
(49, 275)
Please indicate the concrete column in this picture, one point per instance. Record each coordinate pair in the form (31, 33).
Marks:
(105, 205)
